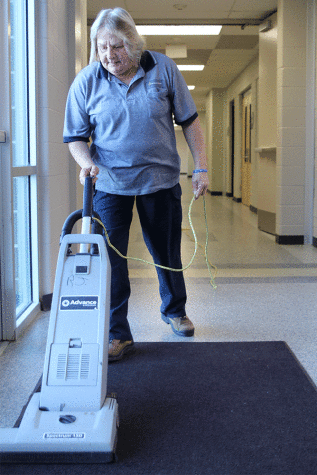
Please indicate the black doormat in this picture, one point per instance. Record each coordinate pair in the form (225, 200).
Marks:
(208, 408)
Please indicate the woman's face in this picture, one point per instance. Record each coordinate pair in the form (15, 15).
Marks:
(113, 55)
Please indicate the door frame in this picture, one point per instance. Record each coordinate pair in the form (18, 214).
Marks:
(232, 148)
(7, 289)
(246, 147)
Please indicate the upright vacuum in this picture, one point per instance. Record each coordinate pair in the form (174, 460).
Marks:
(72, 420)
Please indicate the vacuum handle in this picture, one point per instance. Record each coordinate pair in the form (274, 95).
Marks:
(88, 197)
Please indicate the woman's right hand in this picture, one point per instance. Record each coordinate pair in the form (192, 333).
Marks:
(90, 171)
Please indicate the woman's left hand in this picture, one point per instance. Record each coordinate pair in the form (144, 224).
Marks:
(200, 184)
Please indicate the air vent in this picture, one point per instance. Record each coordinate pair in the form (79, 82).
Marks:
(72, 366)
(85, 363)
(72, 370)
(61, 366)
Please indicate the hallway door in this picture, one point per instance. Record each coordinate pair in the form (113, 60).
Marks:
(246, 149)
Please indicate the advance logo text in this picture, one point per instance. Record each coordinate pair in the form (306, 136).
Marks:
(79, 303)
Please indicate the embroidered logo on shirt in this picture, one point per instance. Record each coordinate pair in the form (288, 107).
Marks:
(155, 83)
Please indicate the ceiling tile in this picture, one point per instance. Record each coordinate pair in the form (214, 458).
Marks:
(247, 5)
(95, 6)
(225, 56)
(192, 42)
(237, 42)
(162, 9)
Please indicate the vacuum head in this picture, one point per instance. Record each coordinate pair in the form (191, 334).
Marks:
(62, 437)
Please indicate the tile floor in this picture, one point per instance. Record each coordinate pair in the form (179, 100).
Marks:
(264, 292)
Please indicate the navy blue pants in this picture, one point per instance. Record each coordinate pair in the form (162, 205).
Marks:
(160, 216)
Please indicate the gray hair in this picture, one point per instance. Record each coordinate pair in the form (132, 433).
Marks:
(120, 23)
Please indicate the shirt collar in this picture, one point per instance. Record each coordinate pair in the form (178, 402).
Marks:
(101, 72)
(147, 62)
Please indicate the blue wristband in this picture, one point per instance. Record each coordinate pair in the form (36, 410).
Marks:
(201, 170)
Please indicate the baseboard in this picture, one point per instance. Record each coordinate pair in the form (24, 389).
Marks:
(46, 302)
(314, 241)
(229, 195)
(215, 193)
(254, 209)
(289, 240)
(237, 200)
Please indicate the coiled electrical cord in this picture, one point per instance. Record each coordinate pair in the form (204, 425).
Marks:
(209, 265)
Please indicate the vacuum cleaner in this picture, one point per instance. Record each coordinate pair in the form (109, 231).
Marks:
(71, 419)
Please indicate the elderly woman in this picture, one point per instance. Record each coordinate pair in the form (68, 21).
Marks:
(124, 102)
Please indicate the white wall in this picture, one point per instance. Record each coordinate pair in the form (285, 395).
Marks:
(182, 149)
(267, 127)
(315, 133)
(267, 86)
(56, 69)
(187, 162)
(246, 80)
(291, 121)
(282, 120)
(215, 139)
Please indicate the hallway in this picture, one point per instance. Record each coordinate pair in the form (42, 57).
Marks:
(264, 292)
(262, 287)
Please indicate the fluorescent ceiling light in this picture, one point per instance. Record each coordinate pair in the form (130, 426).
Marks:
(190, 67)
(157, 30)
(191, 88)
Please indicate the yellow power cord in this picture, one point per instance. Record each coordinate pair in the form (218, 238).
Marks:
(209, 265)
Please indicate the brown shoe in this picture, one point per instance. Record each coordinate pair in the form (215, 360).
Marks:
(119, 348)
(181, 326)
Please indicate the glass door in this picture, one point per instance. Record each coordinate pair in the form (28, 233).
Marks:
(18, 248)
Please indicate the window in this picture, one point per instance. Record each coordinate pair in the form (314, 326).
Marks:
(18, 243)
(19, 83)
(23, 153)
(22, 244)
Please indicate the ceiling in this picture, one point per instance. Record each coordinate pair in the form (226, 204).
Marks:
(224, 56)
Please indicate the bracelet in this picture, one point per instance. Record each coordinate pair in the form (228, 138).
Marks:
(201, 170)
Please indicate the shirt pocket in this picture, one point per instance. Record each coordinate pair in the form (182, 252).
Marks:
(158, 102)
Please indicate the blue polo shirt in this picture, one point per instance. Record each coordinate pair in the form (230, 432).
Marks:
(131, 127)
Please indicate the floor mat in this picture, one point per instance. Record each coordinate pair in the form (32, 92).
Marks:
(208, 408)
